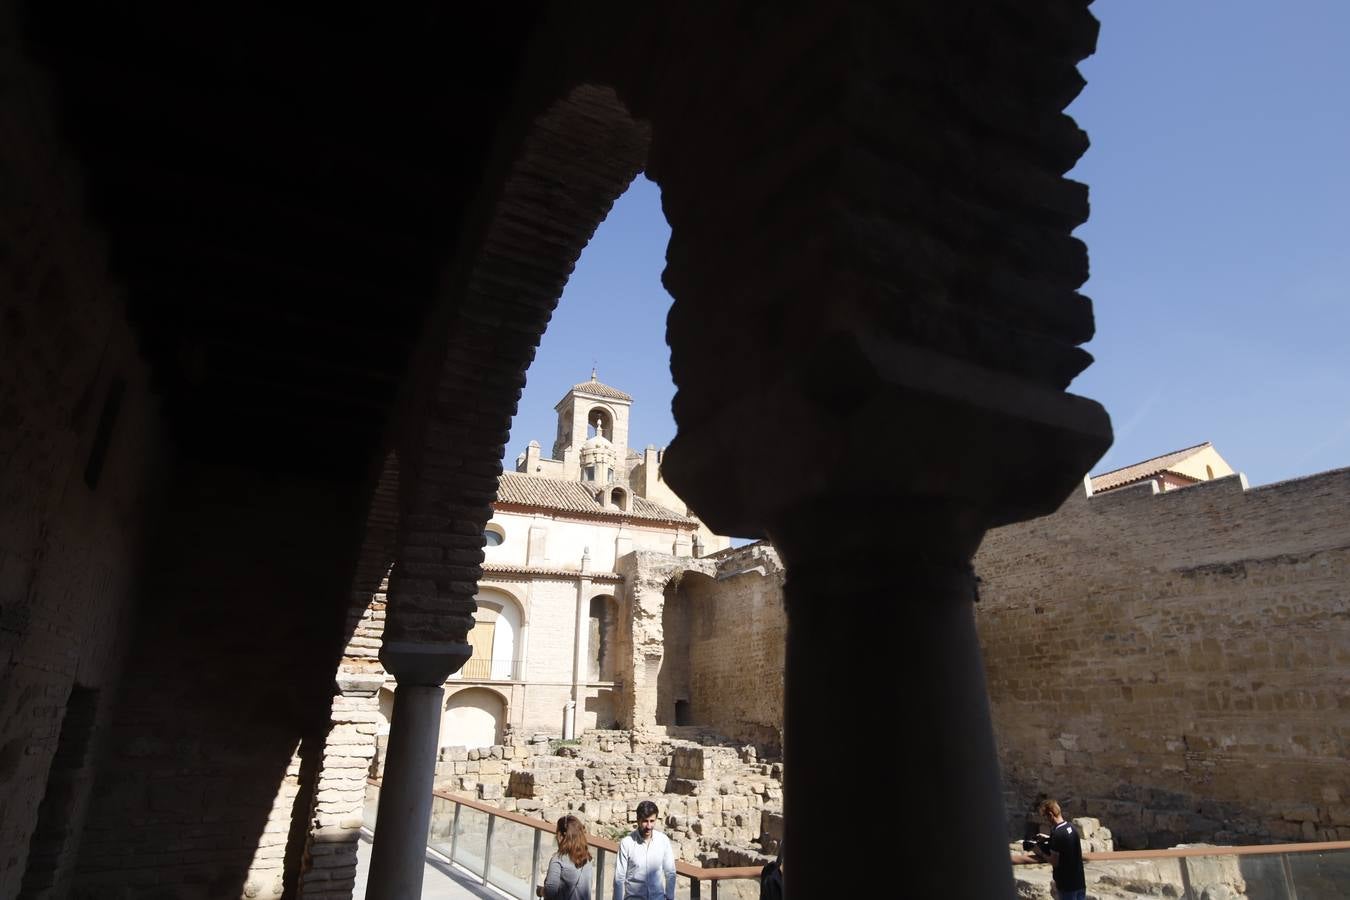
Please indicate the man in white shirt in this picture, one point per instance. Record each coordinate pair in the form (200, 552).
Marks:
(646, 866)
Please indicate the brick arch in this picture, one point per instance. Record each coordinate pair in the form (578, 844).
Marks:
(454, 700)
(381, 536)
(576, 159)
(514, 595)
(451, 689)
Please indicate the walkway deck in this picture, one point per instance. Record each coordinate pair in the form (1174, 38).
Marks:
(441, 881)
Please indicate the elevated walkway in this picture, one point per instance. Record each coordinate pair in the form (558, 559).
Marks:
(441, 880)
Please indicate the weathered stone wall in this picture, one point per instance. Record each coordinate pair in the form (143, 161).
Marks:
(1176, 664)
(80, 444)
(709, 633)
(647, 674)
(738, 634)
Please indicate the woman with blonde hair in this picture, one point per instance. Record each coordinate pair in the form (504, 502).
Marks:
(569, 871)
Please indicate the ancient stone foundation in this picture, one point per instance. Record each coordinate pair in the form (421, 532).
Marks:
(720, 805)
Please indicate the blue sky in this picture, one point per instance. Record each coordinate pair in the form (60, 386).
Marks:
(1219, 239)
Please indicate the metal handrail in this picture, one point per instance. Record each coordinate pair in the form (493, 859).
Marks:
(697, 875)
(1287, 883)
(1209, 850)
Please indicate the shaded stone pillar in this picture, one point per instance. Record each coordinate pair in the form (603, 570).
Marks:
(398, 857)
(580, 645)
(874, 191)
(882, 635)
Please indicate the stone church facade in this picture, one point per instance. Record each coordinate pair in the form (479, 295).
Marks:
(576, 544)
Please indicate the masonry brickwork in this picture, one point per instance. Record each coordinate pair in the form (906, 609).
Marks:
(1176, 663)
(736, 640)
(81, 443)
(307, 304)
(213, 723)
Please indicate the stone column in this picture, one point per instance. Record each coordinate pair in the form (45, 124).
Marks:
(341, 790)
(883, 207)
(398, 857)
(882, 637)
(580, 645)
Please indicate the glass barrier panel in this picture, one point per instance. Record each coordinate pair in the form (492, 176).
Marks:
(603, 863)
(1256, 876)
(440, 832)
(1110, 877)
(512, 853)
(727, 888)
(1320, 875)
(733, 889)
(470, 841)
(372, 804)
(1219, 876)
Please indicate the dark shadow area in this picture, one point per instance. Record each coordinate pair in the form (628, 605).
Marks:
(236, 639)
(62, 811)
(302, 815)
(673, 676)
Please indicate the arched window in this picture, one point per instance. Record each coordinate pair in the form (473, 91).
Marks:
(619, 498)
(600, 641)
(473, 718)
(493, 535)
(495, 639)
(605, 419)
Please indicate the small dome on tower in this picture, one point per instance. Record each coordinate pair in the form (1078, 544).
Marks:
(598, 457)
(597, 448)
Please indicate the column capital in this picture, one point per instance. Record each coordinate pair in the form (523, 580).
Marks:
(914, 544)
(423, 662)
(906, 423)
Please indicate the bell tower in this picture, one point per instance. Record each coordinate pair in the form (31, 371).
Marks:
(589, 410)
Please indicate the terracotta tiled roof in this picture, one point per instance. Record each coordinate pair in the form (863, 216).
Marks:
(490, 569)
(576, 496)
(1142, 470)
(600, 389)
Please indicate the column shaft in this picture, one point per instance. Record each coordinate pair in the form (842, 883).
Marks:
(399, 855)
(581, 645)
(891, 654)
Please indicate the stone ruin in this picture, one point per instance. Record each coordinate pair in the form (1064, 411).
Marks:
(720, 804)
(1207, 878)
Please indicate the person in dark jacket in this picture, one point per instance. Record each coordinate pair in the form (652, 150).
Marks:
(569, 871)
(1064, 852)
(771, 878)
